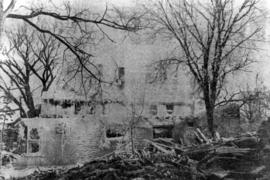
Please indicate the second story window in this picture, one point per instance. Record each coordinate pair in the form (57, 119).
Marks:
(100, 69)
(121, 72)
(120, 79)
(78, 107)
(169, 108)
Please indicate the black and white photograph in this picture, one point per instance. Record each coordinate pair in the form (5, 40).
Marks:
(134, 90)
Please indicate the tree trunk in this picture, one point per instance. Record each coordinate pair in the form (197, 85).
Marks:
(209, 101)
(132, 140)
(32, 112)
(210, 119)
(209, 114)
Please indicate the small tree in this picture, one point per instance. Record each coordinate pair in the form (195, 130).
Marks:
(135, 105)
(255, 102)
(213, 37)
(5, 113)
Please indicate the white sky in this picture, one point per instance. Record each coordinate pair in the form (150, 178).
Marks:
(263, 68)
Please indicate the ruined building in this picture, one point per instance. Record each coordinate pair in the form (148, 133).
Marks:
(72, 128)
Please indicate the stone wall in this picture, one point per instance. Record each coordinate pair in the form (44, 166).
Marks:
(64, 141)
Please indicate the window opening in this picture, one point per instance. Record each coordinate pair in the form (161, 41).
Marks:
(33, 142)
(112, 133)
(121, 77)
(169, 108)
(33, 147)
(78, 107)
(115, 131)
(66, 104)
(162, 132)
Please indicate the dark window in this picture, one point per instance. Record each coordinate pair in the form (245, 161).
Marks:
(33, 147)
(162, 132)
(33, 142)
(111, 133)
(51, 101)
(66, 104)
(91, 110)
(78, 107)
(121, 72)
(120, 81)
(56, 103)
(153, 109)
(34, 134)
(169, 108)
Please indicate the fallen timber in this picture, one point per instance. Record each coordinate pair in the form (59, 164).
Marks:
(235, 158)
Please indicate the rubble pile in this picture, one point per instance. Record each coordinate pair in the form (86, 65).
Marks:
(151, 167)
(233, 158)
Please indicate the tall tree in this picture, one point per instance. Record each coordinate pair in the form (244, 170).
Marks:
(31, 57)
(214, 38)
(79, 23)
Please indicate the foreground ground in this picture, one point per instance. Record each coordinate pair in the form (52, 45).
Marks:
(244, 157)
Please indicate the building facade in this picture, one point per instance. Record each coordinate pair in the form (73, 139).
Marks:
(72, 128)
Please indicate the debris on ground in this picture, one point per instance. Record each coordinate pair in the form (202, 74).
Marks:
(228, 158)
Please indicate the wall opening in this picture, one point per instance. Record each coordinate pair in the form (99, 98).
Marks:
(162, 131)
(169, 108)
(66, 104)
(113, 133)
(33, 141)
(78, 107)
(33, 147)
(120, 81)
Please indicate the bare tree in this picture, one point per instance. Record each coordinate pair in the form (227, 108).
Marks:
(30, 55)
(78, 22)
(256, 102)
(79, 19)
(214, 38)
(81, 30)
(135, 108)
(5, 113)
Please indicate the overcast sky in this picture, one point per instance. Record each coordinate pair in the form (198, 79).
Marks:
(263, 67)
(264, 56)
